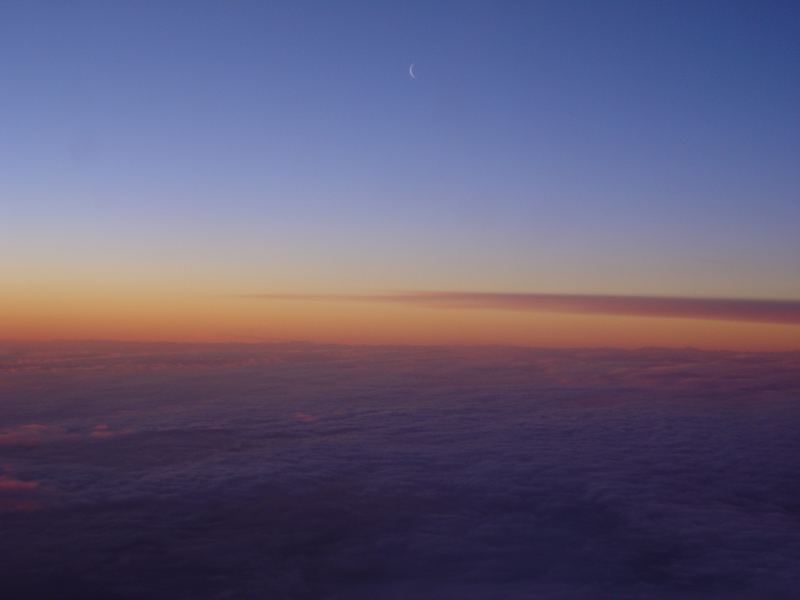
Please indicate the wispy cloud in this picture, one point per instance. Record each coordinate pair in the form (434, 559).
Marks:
(30, 434)
(36, 434)
(18, 495)
(10, 483)
(721, 309)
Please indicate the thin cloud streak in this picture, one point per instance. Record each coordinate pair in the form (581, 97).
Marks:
(719, 309)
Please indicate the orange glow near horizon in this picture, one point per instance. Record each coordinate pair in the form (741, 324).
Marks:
(125, 314)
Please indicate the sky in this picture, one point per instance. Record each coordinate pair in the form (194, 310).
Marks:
(248, 170)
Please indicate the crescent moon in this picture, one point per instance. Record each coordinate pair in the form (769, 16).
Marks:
(411, 72)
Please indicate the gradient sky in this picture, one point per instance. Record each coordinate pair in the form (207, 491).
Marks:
(159, 161)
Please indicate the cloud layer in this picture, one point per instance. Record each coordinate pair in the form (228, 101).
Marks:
(722, 309)
(305, 471)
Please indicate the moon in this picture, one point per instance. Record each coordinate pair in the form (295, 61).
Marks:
(411, 71)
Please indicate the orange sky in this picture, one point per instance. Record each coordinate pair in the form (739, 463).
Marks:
(55, 312)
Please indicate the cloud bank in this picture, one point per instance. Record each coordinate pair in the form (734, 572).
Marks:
(307, 471)
(722, 309)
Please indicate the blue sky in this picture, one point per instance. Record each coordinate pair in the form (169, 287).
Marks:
(636, 147)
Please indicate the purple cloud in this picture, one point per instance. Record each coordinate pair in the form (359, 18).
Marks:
(721, 309)
(325, 471)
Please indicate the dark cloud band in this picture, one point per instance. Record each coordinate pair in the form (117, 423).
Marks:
(720, 309)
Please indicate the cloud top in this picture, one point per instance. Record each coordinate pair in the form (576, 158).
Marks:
(190, 471)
